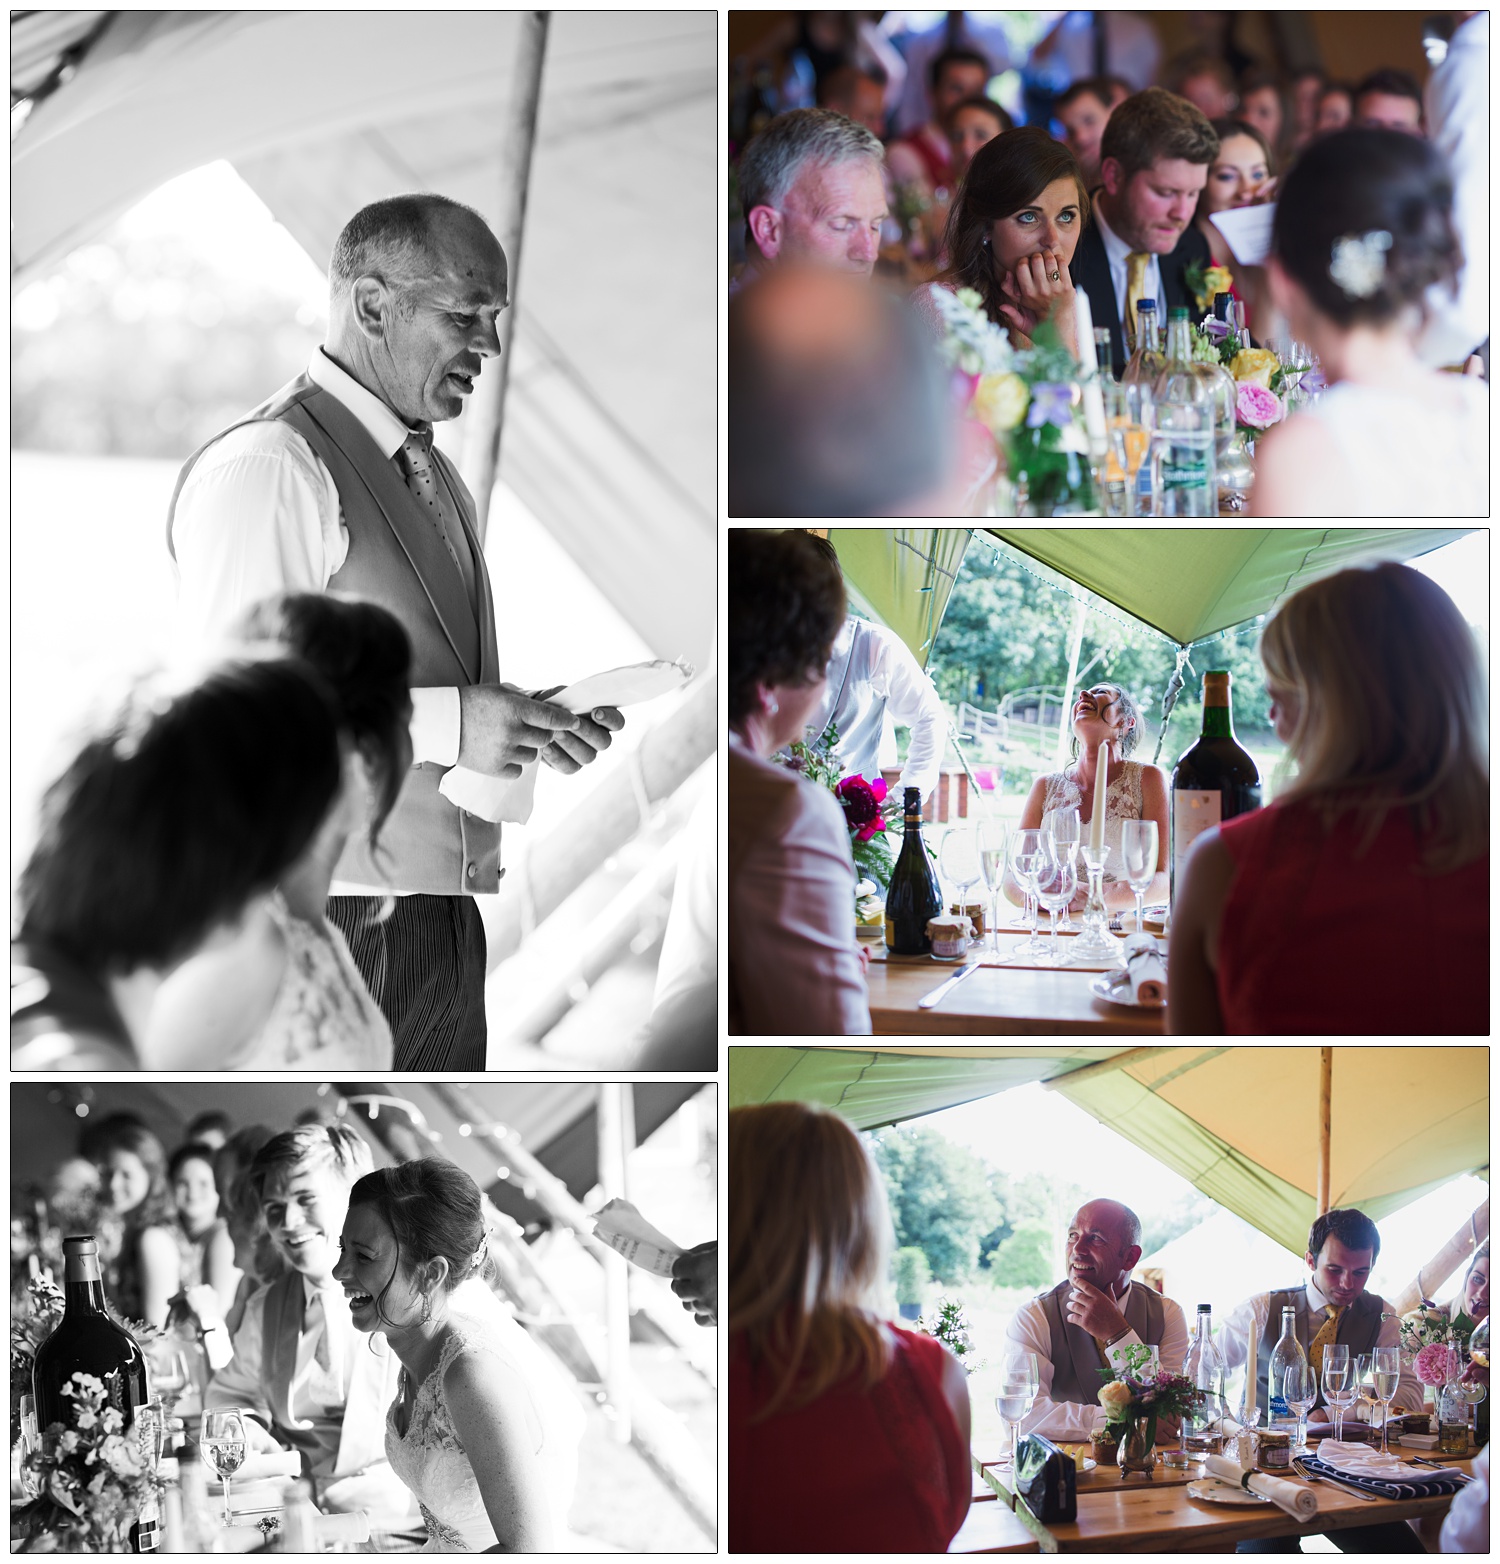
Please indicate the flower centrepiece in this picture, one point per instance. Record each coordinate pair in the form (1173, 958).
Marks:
(869, 840)
(1204, 282)
(1257, 372)
(1133, 1395)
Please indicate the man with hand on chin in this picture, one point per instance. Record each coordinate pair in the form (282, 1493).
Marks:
(305, 1378)
(1083, 1325)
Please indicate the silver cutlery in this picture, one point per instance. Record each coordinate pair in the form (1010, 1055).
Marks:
(1334, 1482)
(927, 1001)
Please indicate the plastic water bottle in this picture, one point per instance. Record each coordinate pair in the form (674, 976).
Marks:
(1188, 411)
(1205, 1367)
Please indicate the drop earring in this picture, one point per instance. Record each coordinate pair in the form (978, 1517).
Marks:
(772, 706)
(426, 1307)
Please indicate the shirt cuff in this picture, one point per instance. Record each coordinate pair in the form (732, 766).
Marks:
(435, 723)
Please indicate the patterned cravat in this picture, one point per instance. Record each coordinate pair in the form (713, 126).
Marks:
(421, 478)
(1135, 289)
(1327, 1331)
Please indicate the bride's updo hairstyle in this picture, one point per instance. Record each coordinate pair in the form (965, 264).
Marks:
(434, 1209)
(1364, 222)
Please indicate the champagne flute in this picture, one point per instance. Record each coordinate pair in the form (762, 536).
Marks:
(1385, 1366)
(1339, 1389)
(1138, 849)
(992, 836)
(223, 1443)
(1299, 1389)
(1056, 880)
(1027, 852)
(959, 860)
(1068, 834)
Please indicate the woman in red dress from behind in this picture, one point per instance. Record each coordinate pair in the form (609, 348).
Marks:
(1357, 903)
(847, 1434)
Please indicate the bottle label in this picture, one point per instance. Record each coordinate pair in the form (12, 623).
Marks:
(1279, 1408)
(1194, 810)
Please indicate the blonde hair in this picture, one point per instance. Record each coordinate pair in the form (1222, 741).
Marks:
(1391, 708)
(809, 1241)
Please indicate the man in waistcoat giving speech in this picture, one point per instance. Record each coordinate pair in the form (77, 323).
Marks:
(334, 484)
(1085, 1322)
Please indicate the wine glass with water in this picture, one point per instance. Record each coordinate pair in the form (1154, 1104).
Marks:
(1339, 1390)
(992, 835)
(1019, 1382)
(1299, 1388)
(1027, 853)
(1068, 834)
(1139, 846)
(223, 1443)
(1056, 880)
(959, 860)
(1385, 1366)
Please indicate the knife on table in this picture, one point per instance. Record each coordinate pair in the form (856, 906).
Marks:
(927, 1001)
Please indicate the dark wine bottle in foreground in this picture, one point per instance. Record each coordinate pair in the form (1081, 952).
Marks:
(88, 1342)
(1216, 779)
(914, 895)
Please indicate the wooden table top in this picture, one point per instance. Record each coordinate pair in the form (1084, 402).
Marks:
(1018, 1000)
(1160, 1516)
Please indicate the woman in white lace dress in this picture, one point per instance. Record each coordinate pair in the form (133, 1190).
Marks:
(1363, 245)
(287, 994)
(485, 1429)
(1106, 729)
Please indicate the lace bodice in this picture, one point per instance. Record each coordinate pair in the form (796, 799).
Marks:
(1122, 802)
(430, 1458)
(324, 1017)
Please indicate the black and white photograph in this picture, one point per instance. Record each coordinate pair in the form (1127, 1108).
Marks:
(363, 1317)
(363, 539)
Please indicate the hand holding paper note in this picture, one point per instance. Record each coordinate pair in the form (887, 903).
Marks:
(1247, 231)
(627, 1232)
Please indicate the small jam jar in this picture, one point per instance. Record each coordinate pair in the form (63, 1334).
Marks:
(949, 936)
(1275, 1450)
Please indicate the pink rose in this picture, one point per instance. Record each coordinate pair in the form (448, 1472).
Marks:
(1255, 407)
(1434, 1364)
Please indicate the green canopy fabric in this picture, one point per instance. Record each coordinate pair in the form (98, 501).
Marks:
(1239, 1123)
(1187, 582)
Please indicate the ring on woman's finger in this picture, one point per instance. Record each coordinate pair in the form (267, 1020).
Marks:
(1053, 276)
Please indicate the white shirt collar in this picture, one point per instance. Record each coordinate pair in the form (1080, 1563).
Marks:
(1316, 1301)
(382, 425)
(311, 1288)
(1115, 248)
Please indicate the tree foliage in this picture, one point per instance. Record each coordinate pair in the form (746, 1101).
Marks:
(1025, 1258)
(912, 1274)
(939, 1197)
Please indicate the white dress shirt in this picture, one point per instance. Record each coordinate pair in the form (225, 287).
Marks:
(1117, 252)
(1458, 123)
(1232, 1338)
(872, 675)
(315, 1390)
(260, 514)
(1029, 1331)
(1466, 1527)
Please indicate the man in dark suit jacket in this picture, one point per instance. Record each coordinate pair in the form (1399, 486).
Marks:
(1154, 162)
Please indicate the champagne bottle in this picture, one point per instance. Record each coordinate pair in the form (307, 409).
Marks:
(1287, 1352)
(914, 895)
(1216, 779)
(89, 1342)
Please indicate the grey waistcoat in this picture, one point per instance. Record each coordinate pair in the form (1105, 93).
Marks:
(1075, 1355)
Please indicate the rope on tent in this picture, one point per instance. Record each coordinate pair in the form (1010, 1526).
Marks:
(638, 787)
(1169, 697)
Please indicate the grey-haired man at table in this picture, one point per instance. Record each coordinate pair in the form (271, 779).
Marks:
(1333, 1304)
(1085, 1323)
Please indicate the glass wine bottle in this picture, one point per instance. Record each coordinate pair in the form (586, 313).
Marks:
(87, 1341)
(914, 895)
(1147, 361)
(1216, 779)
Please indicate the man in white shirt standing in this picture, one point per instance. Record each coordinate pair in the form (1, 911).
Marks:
(1084, 1324)
(334, 484)
(1332, 1305)
(305, 1378)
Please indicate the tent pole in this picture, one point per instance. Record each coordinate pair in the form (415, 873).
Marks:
(1126, 1056)
(1075, 651)
(1325, 1128)
(1446, 1261)
(517, 139)
(613, 1151)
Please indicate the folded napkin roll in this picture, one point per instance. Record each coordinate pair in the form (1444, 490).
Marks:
(1296, 1499)
(1357, 1460)
(1148, 972)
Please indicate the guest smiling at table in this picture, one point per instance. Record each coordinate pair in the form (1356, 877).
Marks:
(1376, 690)
(1363, 229)
(1084, 1323)
(1332, 1306)
(210, 1277)
(847, 1434)
(793, 964)
(1106, 731)
(969, 125)
(1012, 233)
(144, 1268)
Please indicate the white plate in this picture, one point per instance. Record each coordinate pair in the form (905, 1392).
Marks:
(1215, 1491)
(1121, 995)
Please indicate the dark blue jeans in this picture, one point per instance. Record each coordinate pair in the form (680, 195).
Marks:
(1389, 1537)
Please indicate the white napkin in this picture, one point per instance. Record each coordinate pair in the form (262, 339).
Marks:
(627, 1232)
(1357, 1460)
(1297, 1499)
(499, 798)
(1148, 972)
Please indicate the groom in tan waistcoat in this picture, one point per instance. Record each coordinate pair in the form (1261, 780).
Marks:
(334, 484)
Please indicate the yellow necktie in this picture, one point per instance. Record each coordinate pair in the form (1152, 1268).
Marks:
(1135, 289)
(1326, 1333)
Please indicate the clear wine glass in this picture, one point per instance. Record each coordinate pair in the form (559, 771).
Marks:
(170, 1373)
(992, 835)
(1385, 1365)
(1056, 880)
(1019, 1381)
(1027, 851)
(223, 1442)
(1067, 833)
(959, 860)
(1338, 1383)
(1130, 425)
(1139, 846)
(1299, 1388)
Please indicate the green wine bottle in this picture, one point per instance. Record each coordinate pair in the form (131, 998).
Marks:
(914, 895)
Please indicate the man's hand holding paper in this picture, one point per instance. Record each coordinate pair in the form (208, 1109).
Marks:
(501, 730)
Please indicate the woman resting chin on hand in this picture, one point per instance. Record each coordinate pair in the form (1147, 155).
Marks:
(1040, 288)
